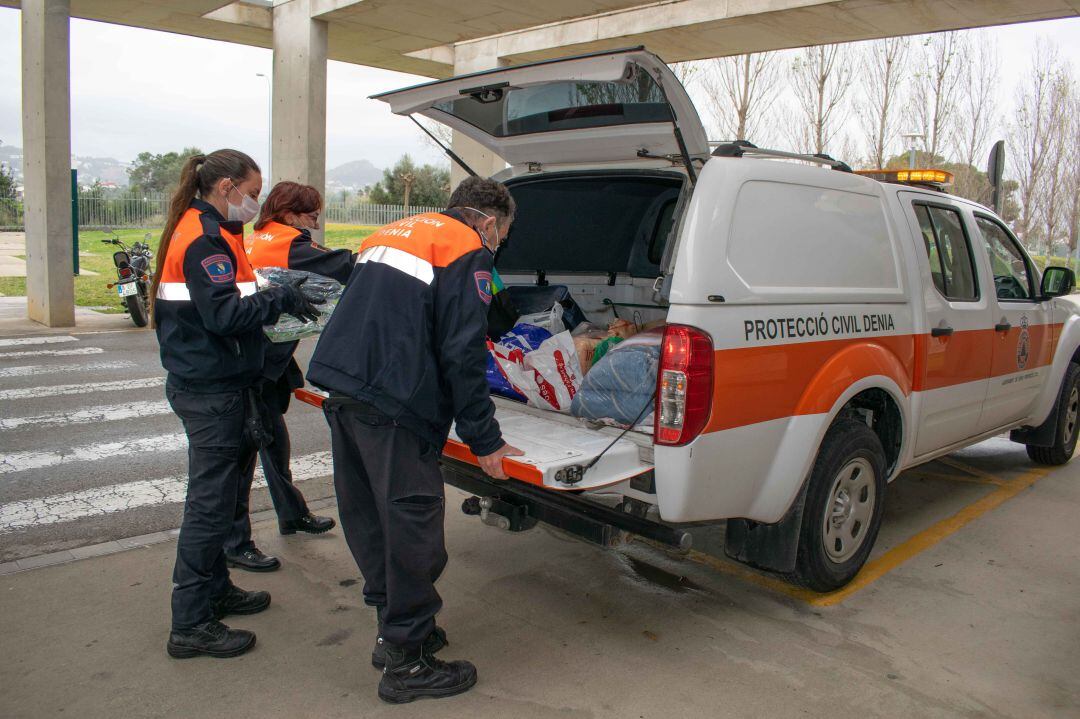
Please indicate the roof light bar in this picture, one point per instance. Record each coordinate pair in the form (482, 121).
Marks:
(910, 177)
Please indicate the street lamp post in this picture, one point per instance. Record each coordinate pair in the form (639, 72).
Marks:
(269, 125)
(911, 138)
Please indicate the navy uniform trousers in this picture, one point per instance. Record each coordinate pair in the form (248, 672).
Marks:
(221, 463)
(391, 503)
(289, 503)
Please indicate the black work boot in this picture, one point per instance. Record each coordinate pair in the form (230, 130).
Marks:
(436, 641)
(211, 638)
(414, 674)
(236, 601)
(308, 523)
(252, 560)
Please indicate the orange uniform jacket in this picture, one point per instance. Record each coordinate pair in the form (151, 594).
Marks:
(278, 245)
(207, 314)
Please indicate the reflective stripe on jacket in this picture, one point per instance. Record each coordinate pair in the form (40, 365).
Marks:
(207, 314)
(408, 334)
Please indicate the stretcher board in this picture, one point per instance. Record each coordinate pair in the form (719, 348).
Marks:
(550, 445)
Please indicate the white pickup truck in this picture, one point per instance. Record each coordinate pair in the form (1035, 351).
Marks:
(825, 330)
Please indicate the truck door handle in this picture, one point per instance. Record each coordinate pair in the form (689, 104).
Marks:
(941, 331)
(1002, 327)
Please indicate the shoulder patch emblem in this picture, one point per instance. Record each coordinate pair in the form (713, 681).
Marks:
(484, 286)
(219, 268)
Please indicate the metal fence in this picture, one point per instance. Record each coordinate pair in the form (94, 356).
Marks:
(149, 211)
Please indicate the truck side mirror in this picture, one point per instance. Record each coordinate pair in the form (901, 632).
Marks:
(1057, 281)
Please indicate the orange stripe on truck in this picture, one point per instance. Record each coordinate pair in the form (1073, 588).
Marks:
(759, 384)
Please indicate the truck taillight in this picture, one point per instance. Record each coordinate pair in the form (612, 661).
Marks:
(684, 394)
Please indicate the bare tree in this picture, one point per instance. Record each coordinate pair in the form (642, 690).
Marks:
(976, 114)
(1072, 176)
(934, 89)
(1029, 134)
(1051, 209)
(820, 79)
(879, 105)
(741, 89)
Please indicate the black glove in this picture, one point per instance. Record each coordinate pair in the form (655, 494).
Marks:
(304, 307)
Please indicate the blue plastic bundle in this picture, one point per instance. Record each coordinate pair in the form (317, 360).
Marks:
(524, 337)
(620, 387)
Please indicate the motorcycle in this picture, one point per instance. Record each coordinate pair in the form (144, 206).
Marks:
(133, 277)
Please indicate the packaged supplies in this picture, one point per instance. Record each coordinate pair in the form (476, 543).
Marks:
(585, 347)
(531, 299)
(604, 347)
(550, 320)
(620, 388)
(622, 328)
(315, 288)
(523, 338)
(548, 376)
(496, 379)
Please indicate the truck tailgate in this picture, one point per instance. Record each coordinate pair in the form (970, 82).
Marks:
(557, 448)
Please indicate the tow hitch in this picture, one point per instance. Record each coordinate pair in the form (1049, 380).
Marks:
(516, 506)
(495, 512)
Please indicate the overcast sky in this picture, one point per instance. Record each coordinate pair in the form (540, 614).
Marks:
(134, 90)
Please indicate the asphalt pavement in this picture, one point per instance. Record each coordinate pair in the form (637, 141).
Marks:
(90, 451)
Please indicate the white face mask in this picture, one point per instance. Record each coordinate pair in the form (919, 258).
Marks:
(483, 237)
(246, 211)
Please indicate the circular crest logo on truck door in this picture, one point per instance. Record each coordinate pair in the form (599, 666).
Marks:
(1023, 346)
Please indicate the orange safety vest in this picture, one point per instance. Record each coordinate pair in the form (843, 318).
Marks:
(269, 246)
(173, 285)
(418, 244)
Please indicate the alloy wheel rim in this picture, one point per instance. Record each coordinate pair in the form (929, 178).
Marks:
(849, 510)
(1072, 409)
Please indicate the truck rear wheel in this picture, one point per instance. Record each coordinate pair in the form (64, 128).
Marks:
(1065, 434)
(844, 502)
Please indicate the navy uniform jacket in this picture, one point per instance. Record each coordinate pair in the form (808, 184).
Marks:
(207, 314)
(408, 335)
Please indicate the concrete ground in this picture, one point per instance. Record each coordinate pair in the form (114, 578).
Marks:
(980, 622)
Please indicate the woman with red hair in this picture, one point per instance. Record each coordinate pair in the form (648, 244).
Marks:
(282, 238)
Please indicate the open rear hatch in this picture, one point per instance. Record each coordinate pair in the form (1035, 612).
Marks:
(612, 106)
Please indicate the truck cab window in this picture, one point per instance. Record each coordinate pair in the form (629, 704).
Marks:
(949, 252)
(1012, 276)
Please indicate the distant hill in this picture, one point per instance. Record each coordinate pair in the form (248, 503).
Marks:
(355, 174)
(106, 169)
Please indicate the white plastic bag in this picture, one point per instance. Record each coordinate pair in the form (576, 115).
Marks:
(550, 320)
(548, 377)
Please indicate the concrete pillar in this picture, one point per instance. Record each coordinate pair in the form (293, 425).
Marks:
(298, 118)
(46, 120)
(474, 57)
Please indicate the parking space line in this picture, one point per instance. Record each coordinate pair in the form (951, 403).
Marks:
(965, 467)
(877, 568)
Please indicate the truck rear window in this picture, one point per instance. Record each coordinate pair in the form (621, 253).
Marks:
(554, 106)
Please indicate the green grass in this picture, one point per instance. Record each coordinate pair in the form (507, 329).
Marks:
(94, 255)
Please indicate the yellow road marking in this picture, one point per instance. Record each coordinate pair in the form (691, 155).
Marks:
(890, 560)
(965, 467)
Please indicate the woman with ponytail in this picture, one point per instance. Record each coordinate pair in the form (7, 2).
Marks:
(209, 320)
(282, 238)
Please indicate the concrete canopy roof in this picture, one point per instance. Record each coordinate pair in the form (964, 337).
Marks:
(422, 36)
